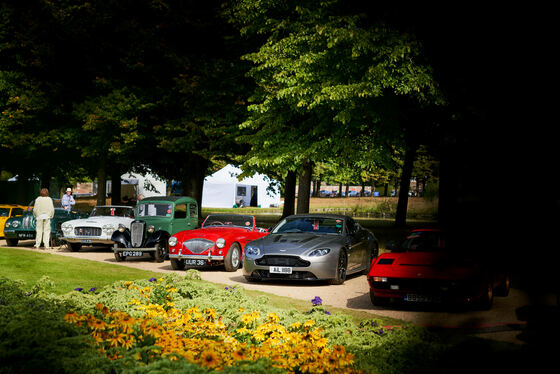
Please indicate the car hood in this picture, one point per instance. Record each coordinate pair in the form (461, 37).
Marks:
(210, 233)
(101, 221)
(296, 243)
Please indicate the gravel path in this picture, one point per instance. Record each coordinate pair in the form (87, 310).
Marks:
(500, 323)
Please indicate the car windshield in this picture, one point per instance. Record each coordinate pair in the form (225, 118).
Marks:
(229, 220)
(4, 212)
(155, 210)
(316, 225)
(113, 211)
(424, 241)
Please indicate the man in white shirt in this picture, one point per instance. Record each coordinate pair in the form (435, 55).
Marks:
(68, 200)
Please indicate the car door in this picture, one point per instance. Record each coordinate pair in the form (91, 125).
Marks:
(357, 243)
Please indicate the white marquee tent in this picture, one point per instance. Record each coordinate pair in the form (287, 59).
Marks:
(223, 190)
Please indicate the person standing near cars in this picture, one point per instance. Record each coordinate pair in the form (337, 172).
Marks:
(43, 211)
(68, 200)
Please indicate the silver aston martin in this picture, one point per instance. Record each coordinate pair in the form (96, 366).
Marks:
(311, 247)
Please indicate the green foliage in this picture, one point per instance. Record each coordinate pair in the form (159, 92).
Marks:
(34, 336)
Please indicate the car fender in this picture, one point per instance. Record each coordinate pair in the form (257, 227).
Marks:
(122, 238)
(160, 236)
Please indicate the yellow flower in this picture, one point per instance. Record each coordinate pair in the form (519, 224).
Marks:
(72, 317)
(272, 317)
(309, 323)
(209, 359)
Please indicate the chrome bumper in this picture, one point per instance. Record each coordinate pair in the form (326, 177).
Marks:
(197, 257)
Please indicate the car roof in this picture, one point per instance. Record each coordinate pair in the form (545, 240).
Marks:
(322, 215)
(173, 199)
(113, 206)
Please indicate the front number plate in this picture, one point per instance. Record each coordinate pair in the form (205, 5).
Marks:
(195, 262)
(280, 270)
(26, 235)
(421, 298)
(132, 253)
(86, 241)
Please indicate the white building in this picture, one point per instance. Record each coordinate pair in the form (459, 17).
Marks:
(223, 190)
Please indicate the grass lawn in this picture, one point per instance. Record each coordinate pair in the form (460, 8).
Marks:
(67, 273)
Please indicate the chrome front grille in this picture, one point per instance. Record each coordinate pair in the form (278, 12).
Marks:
(137, 233)
(198, 246)
(87, 231)
(28, 222)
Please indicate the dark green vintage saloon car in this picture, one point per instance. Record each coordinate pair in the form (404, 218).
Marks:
(23, 227)
(157, 218)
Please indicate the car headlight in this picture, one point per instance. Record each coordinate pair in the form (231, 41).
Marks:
(172, 241)
(8, 224)
(15, 224)
(151, 229)
(122, 228)
(252, 251)
(220, 243)
(319, 252)
(109, 229)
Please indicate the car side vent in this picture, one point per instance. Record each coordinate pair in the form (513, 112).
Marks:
(385, 261)
(137, 233)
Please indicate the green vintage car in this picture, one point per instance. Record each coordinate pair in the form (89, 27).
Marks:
(157, 218)
(23, 227)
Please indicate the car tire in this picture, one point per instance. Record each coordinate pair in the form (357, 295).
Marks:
(160, 252)
(341, 268)
(177, 264)
(12, 242)
(75, 247)
(233, 258)
(487, 299)
(378, 301)
(504, 287)
(118, 255)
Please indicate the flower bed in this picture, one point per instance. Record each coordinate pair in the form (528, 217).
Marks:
(172, 323)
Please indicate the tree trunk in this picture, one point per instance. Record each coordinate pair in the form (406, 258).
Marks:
(116, 198)
(289, 194)
(192, 181)
(363, 191)
(346, 191)
(101, 184)
(340, 190)
(402, 203)
(304, 188)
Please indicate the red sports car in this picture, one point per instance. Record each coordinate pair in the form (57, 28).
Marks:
(424, 269)
(220, 239)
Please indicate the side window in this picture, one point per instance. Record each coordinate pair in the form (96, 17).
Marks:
(181, 211)
(193, 211)
(352, 228)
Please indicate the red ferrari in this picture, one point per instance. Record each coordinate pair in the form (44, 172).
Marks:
(220, 240)
(424, 269)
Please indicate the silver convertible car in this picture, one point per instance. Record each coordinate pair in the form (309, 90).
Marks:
(311, 247)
